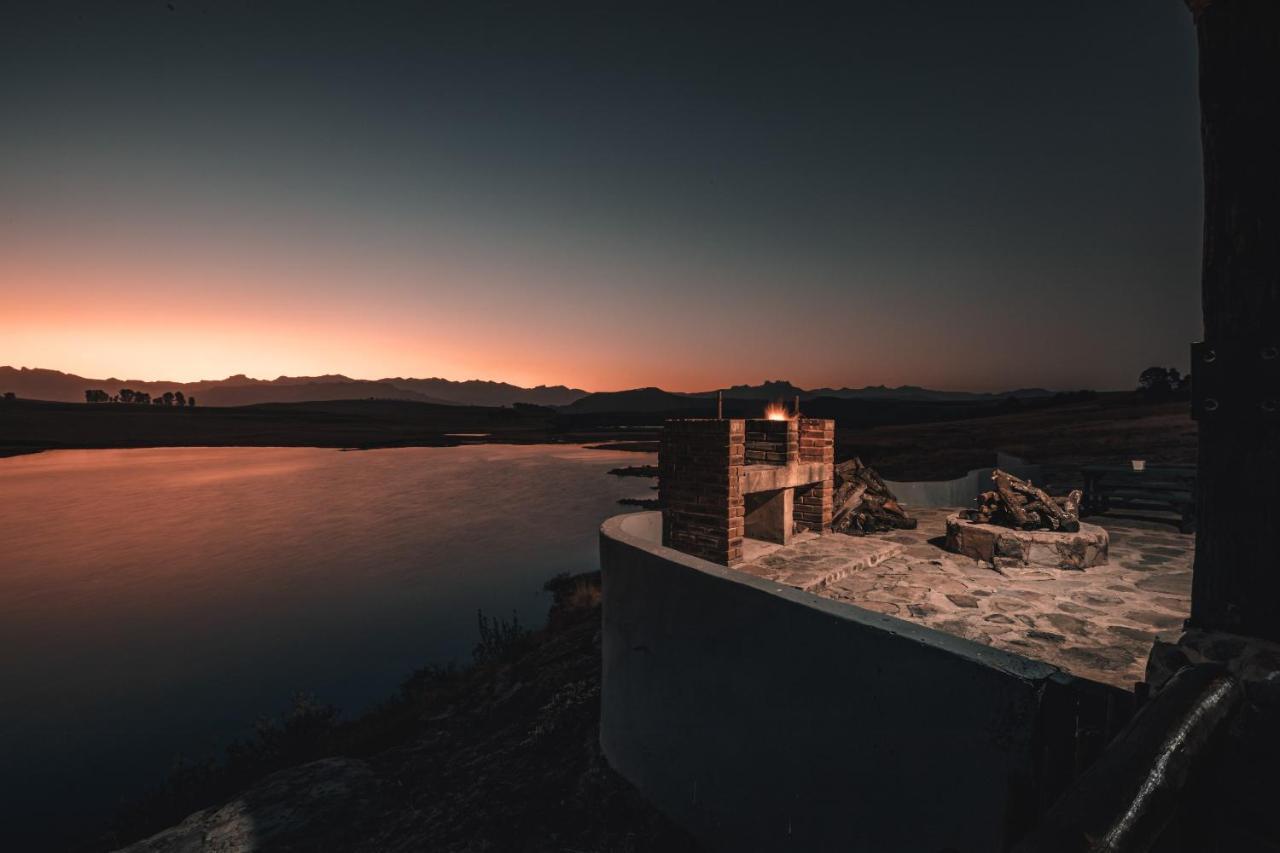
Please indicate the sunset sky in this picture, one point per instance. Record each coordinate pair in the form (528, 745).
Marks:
(956, 195)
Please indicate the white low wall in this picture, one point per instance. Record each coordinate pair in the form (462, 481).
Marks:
(963, 490)
(763, 718)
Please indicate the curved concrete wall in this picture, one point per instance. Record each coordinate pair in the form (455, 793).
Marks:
(963, 490)
(763, 718)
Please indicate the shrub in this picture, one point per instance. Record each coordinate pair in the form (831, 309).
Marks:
(499, 639)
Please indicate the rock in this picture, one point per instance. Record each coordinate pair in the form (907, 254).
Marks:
(1067, 623)
(1138, 634)
(1161, 621)
(1255, 662)
(1103, 660)
(1007, 547)
(1165, 660)
(1077, 609)
(316, 801)
(962, 600)
(1008, 604)
(1171, 582)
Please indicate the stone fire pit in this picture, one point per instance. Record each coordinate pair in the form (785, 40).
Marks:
(1008, 547)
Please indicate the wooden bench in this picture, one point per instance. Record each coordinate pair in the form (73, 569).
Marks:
(1163, 487)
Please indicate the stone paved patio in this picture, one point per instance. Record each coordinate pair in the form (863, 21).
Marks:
(812, 561)
(1098, 623)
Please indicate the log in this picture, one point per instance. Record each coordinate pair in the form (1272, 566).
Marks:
(863, 503)
(1019, 503)
(1059, 518)
(1012, 505)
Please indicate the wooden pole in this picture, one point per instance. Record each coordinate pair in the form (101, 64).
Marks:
(1236, 586)
(719, 405)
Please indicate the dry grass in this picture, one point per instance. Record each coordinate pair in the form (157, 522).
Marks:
(1110, 429)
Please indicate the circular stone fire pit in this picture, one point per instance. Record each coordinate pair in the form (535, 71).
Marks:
(1005, 546)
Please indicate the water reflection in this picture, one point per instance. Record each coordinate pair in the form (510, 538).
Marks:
(154, 602)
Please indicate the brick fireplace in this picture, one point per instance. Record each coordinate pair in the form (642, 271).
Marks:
(723, 480)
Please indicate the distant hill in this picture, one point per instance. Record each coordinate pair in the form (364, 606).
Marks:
(308, 392)
(478, 392)
(913, 392)
(241, 390)
(770, 389)
(781, 389)
(637, 400)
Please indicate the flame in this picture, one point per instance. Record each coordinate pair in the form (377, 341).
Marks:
(776, 412)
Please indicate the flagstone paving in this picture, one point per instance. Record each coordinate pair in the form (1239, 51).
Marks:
(813, 561)
(1098, 623)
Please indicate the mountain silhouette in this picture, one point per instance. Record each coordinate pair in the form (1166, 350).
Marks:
(241, 390)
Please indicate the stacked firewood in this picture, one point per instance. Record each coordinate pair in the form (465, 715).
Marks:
(863, 503)
(1017, 503)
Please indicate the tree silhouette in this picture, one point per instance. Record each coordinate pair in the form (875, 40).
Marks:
(126, 395)
(168, 398)
(96, 395)
(142, 397)
(179, 399)
(1160, 380)
(191, 401)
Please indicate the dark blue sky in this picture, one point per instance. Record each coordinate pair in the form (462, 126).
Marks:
(933, 193)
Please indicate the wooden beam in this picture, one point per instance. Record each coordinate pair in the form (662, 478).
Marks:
(1237, 567)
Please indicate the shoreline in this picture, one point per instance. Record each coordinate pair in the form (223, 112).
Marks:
(522, 716)
(13, 452)
(31, 426)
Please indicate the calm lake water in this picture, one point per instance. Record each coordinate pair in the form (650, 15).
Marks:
(154, 603)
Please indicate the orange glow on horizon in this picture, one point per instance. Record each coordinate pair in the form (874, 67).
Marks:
(112, 307)
(100, 315)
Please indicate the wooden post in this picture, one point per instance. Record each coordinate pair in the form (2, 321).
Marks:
(1236, 586)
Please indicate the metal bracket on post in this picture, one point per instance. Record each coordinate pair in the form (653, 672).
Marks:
(1235, 382)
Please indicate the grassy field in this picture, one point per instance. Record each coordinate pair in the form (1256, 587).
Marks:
(1107, 429)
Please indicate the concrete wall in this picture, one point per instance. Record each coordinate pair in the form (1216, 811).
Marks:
(763, 718)
(963, 490)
